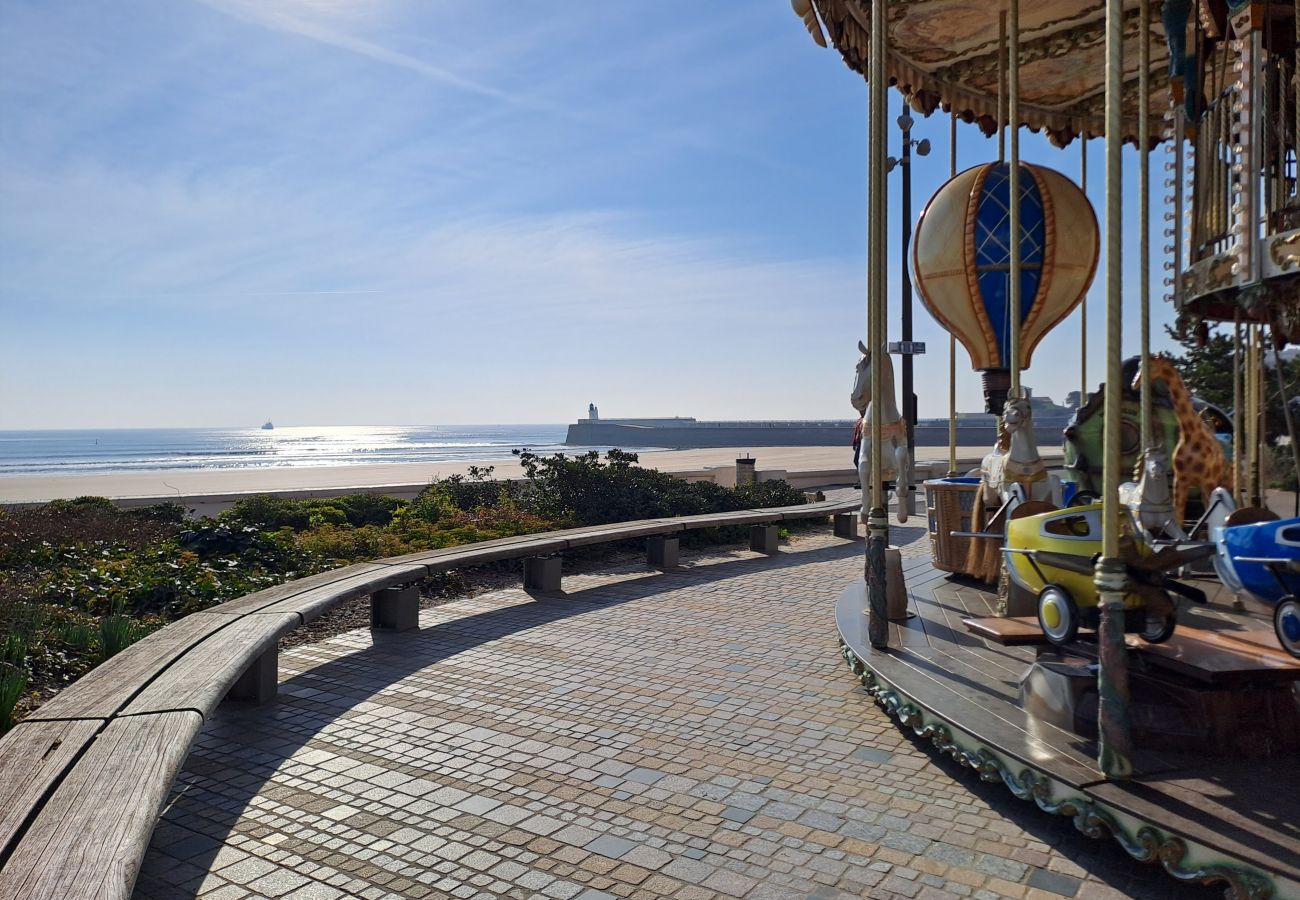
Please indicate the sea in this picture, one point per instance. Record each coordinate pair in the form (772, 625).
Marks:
(112, 451)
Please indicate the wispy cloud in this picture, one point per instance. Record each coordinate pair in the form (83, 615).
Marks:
(229, 243)
(327, 21)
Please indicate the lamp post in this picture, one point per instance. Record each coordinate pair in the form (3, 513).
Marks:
(905, 122)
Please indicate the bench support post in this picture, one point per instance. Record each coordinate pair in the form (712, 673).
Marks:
(259, 683)
(662, 552)
(763, 538)
(395, 609)
(846, 526)
(542, 574)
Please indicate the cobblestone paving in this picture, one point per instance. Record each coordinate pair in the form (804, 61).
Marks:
(687, 735)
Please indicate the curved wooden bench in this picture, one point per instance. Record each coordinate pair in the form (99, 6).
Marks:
(84, 778)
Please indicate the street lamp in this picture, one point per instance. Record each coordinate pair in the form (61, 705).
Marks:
(905, 122)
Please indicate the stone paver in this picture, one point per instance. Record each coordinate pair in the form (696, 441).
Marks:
(689, 734)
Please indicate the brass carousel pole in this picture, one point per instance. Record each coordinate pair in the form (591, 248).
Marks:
(1250, 409)
(1144, 215)
(1002, 86)
(1083, 304)
(877, 520)
(1013, 187)
(1256, 373)
(1261, 392)
(952, 338)
(1116, 744)
(1238, 412)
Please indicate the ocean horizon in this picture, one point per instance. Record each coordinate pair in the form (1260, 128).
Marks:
(123, 450)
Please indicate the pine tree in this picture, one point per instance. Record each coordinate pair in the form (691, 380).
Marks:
(1208, 369)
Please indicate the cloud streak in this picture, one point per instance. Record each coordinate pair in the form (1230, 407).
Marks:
(312, 22)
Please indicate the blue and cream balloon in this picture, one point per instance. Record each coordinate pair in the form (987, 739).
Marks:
(961, 257)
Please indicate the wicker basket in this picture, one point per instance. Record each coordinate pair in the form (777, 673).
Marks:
(949, 502)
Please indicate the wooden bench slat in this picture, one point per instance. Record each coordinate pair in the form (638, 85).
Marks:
(478, 554)
(817, 510)
(509, 546)
(738, 517)
(202, 677)
(33, 756)
(89, 839)
(264, 598)
(313, 603)
(624, 530)
(108, 687)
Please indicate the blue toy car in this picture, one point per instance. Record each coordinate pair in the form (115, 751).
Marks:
(1263, 559)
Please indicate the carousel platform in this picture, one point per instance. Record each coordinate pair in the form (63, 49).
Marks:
(1216, 794)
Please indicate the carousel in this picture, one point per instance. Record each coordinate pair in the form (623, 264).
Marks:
(1117, 641)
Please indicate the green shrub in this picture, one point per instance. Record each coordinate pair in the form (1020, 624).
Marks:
(1279, 468)
(76, 636)
(433, 505)
(170, 513)
(116, 633)
(13, 682)
(771, 493)
(82, 505)
(43, 535)
(585, 491)
(267, 513)
(13, 649)
(343, 545)
(360, 510)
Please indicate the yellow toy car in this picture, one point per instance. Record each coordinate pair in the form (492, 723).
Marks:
(1052, 555)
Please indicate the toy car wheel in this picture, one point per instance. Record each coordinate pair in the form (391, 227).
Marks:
(1058, 614)
(1286, 622)
(1158, 629)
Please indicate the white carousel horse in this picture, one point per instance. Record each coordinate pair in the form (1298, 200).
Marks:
(1014, 470)
(895, 461)
(1150, 500)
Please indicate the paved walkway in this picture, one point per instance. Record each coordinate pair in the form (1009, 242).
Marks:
(687, 735)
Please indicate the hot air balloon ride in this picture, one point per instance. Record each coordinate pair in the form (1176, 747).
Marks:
(961, 257)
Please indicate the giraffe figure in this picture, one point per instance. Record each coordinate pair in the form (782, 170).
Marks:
(1198, 459)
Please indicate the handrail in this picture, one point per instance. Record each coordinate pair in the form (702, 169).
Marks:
(84, 778)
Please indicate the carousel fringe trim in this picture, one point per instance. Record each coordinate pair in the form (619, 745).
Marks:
(1148, 845)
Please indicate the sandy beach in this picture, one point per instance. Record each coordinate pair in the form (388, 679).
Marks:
(189, 486)
(203, 482)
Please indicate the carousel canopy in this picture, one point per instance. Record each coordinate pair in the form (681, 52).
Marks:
(944, 53)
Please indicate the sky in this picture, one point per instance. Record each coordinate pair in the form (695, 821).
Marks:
(327, 212)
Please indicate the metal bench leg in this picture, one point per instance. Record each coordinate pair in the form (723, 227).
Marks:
(542, 574)
(259, 683)
(763, 538)
(846, 526)
(662, 552)
(395, 609)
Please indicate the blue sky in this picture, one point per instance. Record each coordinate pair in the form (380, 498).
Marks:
(386, 212)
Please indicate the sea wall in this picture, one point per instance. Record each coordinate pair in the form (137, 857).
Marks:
(614, 434)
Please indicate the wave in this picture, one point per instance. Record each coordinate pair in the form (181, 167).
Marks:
(95, 452)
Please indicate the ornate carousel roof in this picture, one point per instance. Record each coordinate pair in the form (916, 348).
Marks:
(944, 53)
